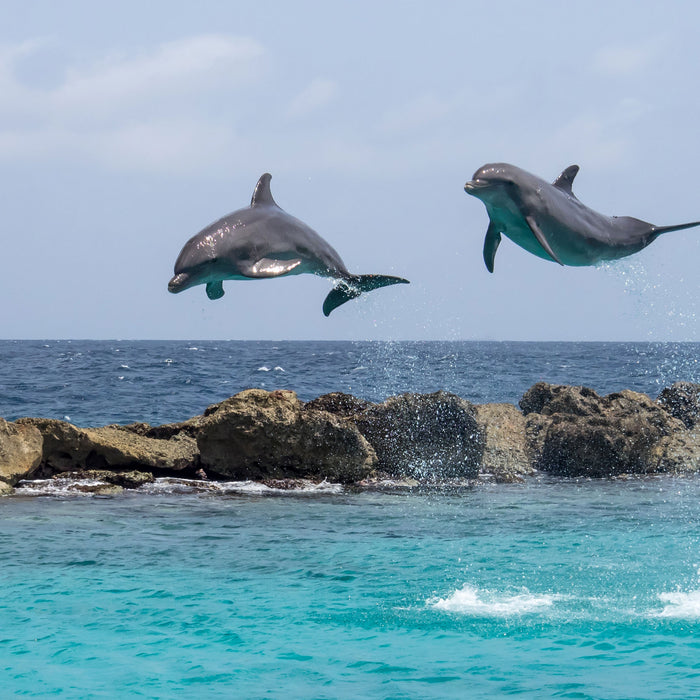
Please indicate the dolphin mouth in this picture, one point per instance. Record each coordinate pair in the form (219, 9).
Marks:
(473, 185)
(178, 283)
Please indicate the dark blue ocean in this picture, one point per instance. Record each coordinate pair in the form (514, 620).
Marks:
(99, 382)
(552, 588)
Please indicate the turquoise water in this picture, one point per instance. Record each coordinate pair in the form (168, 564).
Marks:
(552, 589)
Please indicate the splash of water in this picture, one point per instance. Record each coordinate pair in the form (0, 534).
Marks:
(469, 600)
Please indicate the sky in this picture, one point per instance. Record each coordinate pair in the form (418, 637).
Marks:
(125, 128)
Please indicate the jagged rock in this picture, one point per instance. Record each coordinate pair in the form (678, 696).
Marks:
(98, 489)
(114, 448)
(258, 434)
(682, 401)
(67, 448)
(166, 431)
(589, 435)
(5, 489)
(427, 436)
(90, 481)
(506, 454)
(677, 453)
(339, 404)
(272, 435)
(20, 451)
(536, 426)
(128, 480)
(548, 399)
(61, 441)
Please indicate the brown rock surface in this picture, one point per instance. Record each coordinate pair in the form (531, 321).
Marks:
(339, 404)
(128, 480)
(506, 453)
(20, 451)
(677, 453)
(258, 434)
(548, 399)
(589, 435)
(428, 436)
(67, 447)
(682, 401)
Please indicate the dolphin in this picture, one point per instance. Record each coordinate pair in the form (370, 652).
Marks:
(262, 241)
(550, 222)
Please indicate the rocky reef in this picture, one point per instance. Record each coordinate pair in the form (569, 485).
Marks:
(419, 438)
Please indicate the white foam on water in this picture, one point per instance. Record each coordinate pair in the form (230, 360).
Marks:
(59, 487)
(263, 369)
(469, 600)
(680, 604)
(175, 485)
(279, 369)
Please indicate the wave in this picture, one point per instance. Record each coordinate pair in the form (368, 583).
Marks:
(175, 485)
(469, 600)
(65, 487)
(172, 485)
(680, 604)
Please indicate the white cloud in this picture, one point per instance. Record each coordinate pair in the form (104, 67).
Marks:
(152, 111)
(179, 68)
(316, 95)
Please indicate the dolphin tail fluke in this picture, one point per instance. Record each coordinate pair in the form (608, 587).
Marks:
(353, 286)
(667, 229)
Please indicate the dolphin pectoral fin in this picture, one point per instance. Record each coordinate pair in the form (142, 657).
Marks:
(354, 286)
(491, 243)
(537, 233)
(269, 267)
(215, 290)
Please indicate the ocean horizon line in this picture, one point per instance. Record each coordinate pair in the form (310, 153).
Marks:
(589, 341)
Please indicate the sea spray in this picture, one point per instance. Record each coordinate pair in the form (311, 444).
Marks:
(469, 600)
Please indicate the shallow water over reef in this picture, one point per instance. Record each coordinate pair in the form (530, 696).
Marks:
(555, 588)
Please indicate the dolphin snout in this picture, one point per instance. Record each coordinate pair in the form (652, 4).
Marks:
(475, 184)
(178, 283)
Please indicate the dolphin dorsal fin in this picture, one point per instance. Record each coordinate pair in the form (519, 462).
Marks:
(262, 194)
(566, 179)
